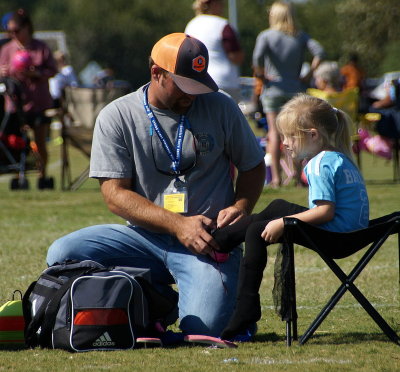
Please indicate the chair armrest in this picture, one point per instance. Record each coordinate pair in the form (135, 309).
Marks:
(290, 221)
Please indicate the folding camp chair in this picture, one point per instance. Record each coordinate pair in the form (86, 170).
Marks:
(80, 109)
(331, 246)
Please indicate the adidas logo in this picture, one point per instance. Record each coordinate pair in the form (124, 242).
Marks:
(104, 340)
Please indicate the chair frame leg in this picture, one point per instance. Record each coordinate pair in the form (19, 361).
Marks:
(291, 323)
(65, 167)
(348, 284)
(78, 182)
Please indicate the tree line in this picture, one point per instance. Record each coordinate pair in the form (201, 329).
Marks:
(119, 34)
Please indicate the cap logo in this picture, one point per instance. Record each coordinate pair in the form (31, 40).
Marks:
(199, 63)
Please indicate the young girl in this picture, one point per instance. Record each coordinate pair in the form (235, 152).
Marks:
(312, 130)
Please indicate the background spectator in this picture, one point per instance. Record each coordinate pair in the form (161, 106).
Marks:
(65, 77)
(222, 43)
(277, 59)
(353, 74)
(327, 77)
(31, 62)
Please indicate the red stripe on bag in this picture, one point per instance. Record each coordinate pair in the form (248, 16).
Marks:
(101, 317)
(12, 323)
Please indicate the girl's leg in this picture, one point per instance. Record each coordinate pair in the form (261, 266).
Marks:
(248, 308)
(231, 236)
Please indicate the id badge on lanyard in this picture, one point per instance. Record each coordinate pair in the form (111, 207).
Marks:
(175, 198)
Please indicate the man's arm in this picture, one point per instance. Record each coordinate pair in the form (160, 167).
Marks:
(192, 232)
(249, 185)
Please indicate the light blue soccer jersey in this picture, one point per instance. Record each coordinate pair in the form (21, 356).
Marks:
(333, 177)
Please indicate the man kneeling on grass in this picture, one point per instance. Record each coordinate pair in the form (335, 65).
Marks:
(163, 157)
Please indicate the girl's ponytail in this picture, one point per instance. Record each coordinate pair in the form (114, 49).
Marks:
(342, 137)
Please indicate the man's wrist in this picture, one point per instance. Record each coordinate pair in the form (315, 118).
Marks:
(174, 223)
(243, 206)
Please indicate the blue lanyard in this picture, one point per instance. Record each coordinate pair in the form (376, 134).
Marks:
(183, 123)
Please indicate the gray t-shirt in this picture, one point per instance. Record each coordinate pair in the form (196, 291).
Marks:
(123, 148)
(282, 56)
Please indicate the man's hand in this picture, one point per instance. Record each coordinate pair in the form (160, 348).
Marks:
(229, 215)
(273, 231)
(194, 233)
(249, 185)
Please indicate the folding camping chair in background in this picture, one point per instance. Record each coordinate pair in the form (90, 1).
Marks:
(81, 107)
(344, 245)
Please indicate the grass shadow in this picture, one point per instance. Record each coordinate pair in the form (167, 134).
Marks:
(268, 337)
(326, 338)
(347, 338)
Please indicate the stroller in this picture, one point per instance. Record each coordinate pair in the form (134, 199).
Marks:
(15, 145)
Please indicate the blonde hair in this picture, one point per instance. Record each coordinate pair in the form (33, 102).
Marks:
(202, 6)
(304, 112)
(281, 18)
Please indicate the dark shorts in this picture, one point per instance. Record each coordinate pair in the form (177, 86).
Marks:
(34, 120)
(274, 103)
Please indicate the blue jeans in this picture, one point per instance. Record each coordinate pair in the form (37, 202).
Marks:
(207, 290)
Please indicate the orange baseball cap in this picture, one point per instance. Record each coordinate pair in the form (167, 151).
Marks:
(186, 58)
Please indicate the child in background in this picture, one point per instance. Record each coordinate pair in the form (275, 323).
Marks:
(65, 77)
(313, 130)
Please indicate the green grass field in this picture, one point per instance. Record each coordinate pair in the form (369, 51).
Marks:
(348, 340)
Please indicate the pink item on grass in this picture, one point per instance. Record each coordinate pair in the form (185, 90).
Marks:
(377, 145)
(380, 146)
